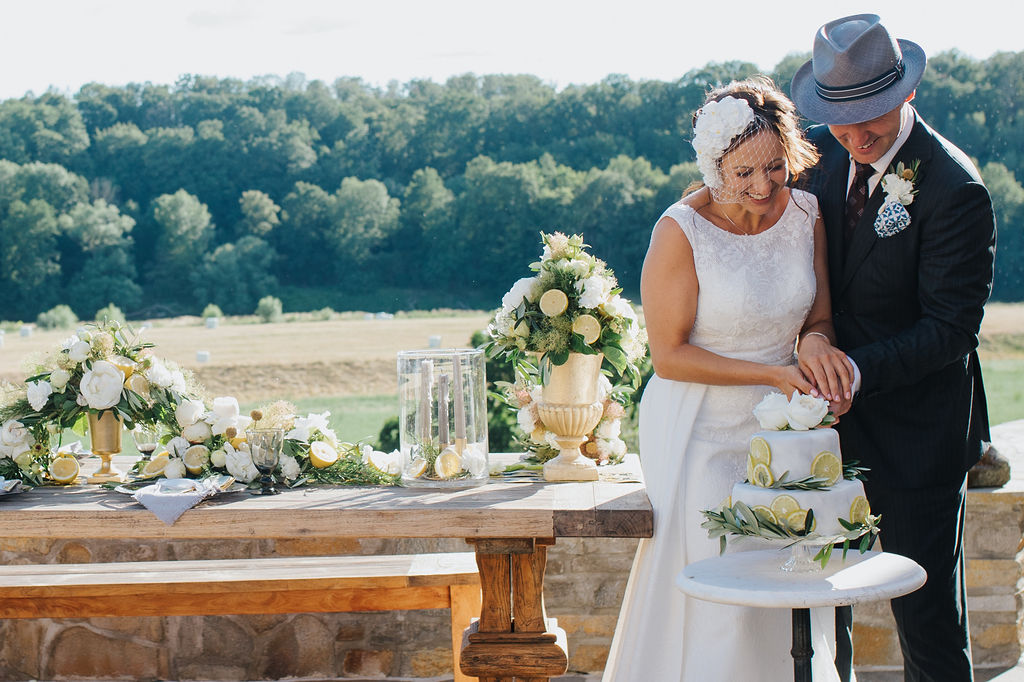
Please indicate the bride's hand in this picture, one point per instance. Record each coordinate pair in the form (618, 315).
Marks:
(790, 379)
(828, 366)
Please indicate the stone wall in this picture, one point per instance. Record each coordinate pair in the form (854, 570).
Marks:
(584, 586)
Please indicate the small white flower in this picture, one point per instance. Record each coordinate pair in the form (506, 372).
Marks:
(716, 126)
(159, 375)
(524, 288)
(526, 420)
(898, 189)
(305, 427)
(197, 432)
(178, 381)
(101, 386)
(175, 468)
(608, 429)
(239, 464)
(289, 467)
(59, 379)
(771, 412)
(39, 394)
(177, 446)
(593, 290)
(189, 412)
(474, 460)
(225, 407)
(79, 351)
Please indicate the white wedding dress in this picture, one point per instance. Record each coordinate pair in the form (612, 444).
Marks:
(755, 292)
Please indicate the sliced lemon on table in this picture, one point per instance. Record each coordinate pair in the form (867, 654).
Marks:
(760, 451)
(64, 469)
(126, 365)
(417, 467)
(156, 466)
(784, 505)
(827, 466)
(859, 509)
(554, 302)
(322, 454)
(448, 464)
(588, 327)
(196, 458)
(797, 520)
(762, 476)
(764, 512)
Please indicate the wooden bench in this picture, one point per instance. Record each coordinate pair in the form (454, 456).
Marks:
(248, 586)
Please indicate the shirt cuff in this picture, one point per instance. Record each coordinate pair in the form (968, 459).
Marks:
(856, 376)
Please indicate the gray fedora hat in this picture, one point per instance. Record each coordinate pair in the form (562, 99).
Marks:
(857, 72)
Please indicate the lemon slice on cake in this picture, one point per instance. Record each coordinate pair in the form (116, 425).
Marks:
(784, 505)
(762, 476)
(760, 452)
(64, 470)
(322, 454)
(798, 520)
(763, 511)
(588, 327)
(827, 466)
(859, 509)
(554, 302)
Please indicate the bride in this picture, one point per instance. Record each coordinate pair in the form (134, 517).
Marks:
(735, 276)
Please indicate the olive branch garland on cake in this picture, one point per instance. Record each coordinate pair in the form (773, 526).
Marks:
(824, 504)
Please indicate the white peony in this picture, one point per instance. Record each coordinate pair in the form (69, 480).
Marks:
(189, 412)
(101, 386)
(593, 291)
(177, 446)
(474, 460)
(14, 437)
(771, 412)
(79, 351)
(616, 306)
(305, 427)
(608, 429)
(178, 381)
(39, 394)
(524, 288)
(898, 189)
(805, 412)
(578, 267)
(175, 468)
(289, 467)
(526, 420)
(159, 375)
(239, 464)
(59, 379)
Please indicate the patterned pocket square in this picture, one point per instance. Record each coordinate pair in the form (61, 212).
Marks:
(892, 219)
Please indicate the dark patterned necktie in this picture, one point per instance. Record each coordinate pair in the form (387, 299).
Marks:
(857, 198)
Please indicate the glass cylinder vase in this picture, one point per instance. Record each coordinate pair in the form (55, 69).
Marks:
(442, 397)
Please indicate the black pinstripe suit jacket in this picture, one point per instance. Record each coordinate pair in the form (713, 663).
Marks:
(907, 309)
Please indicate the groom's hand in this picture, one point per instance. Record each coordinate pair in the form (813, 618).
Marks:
(828, 367)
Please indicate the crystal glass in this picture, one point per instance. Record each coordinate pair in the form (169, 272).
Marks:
(801, 558)
(146, 437)
(443, 417)
(265, 446)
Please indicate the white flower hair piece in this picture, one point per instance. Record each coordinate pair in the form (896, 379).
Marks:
(717, 124)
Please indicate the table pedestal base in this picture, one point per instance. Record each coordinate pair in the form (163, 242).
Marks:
(513, 639)
(802, 650)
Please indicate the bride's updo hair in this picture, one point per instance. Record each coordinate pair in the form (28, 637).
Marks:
(773, 111)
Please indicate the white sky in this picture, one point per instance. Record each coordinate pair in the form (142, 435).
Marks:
(66, 43)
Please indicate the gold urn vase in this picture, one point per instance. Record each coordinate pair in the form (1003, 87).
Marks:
(570, 409)
(105, 434)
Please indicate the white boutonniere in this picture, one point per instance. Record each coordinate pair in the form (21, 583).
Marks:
(899, 185)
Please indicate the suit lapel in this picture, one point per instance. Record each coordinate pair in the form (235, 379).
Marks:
(917, 147)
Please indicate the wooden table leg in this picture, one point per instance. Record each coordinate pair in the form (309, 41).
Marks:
(802, 650)
(513, 639)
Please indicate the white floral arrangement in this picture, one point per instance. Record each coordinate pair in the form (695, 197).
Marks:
(108, 369)
(717, 125)
(604, 443)
(802, 412)
(572, 304)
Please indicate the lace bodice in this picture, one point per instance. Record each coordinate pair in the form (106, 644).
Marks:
(755, 290)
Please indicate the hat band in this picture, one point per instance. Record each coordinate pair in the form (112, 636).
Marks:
(861, 90)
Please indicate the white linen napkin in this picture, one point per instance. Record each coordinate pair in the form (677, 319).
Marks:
(170, 498)
(9, 485)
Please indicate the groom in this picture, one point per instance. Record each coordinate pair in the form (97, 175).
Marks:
(911, 261)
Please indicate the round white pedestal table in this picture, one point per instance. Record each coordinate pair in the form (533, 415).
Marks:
(756, 579)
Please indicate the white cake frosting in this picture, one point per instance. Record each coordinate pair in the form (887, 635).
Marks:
(791, 454)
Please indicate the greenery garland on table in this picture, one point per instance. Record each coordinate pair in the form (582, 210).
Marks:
(108, 369)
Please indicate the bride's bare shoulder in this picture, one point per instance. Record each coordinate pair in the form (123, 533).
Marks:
(697, 199)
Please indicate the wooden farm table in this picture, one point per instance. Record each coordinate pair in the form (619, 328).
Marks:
(510, 524)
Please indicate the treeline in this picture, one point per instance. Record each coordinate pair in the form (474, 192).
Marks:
(163, 199)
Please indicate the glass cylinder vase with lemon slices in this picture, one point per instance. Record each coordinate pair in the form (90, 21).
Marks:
(443, 417)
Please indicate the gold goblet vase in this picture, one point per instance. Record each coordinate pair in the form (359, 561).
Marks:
(105, 434)
(570, 408)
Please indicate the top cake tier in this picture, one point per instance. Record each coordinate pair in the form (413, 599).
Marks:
(796, 454)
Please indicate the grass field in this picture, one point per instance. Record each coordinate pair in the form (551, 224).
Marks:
(347, 365)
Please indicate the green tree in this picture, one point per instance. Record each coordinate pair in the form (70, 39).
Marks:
(184, 230)
(260, 214)
(1008, 202)
(29, 267)
(364, 216)
(235, 276)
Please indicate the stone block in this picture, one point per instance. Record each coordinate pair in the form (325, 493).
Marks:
(74, 553)
(150, 628)
(996, 603)
(581, 625)
(77, 650)
(430, 663)
(366, 663)
(875, 646)
(987, 576)
(587, 657)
